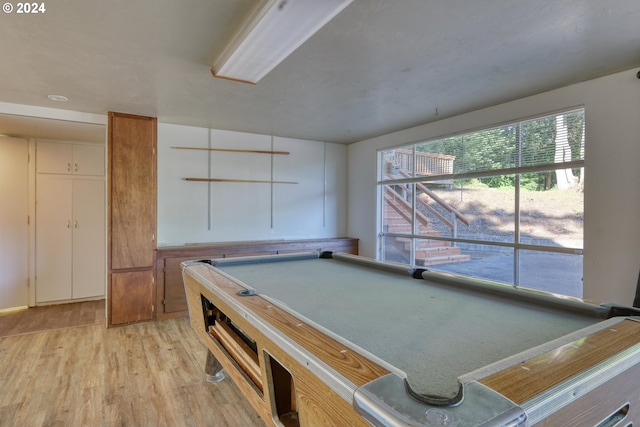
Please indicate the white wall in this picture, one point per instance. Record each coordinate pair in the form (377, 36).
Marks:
(199, 212)
(14, 230)
(612, 186)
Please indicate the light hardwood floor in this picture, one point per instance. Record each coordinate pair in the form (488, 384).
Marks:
(49, 317)
(147, 374)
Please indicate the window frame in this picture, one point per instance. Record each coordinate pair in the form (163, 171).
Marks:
(517, 245)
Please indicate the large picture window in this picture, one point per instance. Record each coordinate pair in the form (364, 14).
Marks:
(502, 204)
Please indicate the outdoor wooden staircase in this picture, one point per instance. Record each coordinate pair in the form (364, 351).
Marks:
(397, 215)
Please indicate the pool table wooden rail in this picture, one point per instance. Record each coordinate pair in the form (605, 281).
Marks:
(532, 377)
(563, 374)
(317, 403)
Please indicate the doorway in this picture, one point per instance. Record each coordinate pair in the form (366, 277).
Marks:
(18, 135)
(14, 228)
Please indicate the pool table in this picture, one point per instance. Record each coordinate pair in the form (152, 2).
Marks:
(340, 340)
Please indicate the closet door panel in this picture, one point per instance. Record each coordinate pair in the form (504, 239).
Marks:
(88, 160)
(53, 238)
(89, 250)
(54, 157)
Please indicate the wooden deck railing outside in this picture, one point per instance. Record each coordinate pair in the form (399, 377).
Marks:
(425, 163)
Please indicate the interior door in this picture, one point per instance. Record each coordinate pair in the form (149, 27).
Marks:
(14, 230)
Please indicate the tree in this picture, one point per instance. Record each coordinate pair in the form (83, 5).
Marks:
(564, 177)
(582, 154)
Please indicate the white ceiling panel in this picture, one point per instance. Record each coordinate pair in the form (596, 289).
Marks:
(377, 67)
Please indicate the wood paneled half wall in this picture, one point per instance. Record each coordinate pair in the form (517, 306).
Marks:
(170, 296)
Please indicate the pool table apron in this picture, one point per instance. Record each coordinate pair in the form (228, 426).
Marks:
(432, 333)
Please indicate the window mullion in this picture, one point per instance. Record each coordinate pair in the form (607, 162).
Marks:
(516, 219)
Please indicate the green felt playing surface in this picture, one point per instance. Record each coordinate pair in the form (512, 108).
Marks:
(432, 332)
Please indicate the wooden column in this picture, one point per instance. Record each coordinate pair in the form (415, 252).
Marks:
(132, 218)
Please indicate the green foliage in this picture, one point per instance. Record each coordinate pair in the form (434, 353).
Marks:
(533, 181)
(508, 147)
(497, 148)
(500, 181)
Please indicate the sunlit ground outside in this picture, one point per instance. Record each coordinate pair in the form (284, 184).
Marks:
(547, 218)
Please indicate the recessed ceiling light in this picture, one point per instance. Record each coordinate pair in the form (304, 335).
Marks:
(58, 98)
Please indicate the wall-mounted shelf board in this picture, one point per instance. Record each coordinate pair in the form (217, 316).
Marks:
(232, 150)
(238, 180)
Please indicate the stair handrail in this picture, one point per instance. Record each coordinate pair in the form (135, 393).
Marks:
(436, 199)
(419, 214)
(422, 219)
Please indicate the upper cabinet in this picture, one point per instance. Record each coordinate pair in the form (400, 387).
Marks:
(70, 159)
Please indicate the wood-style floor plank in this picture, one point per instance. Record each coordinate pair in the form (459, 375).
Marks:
(50, 317)
(147, 374)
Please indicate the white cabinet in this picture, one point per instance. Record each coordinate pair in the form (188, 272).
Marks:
(70, 238)
(70, 228)
(70, 159)
(53, 238)
(89, 242)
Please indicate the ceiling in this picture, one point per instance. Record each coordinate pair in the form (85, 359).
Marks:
(379, 66)
(60, 130)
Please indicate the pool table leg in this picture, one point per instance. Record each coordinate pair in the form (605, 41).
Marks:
(213, 368)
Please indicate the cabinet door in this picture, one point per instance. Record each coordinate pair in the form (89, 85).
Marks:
(53, 238)
(131, 297)
(54, 157)
(89, 241)
(133, 191)
(88, 160)
(67, 158)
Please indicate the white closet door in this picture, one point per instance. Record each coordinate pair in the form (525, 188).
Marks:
(53, 238)
(14, 234)
(89, 262)
(54, 157)
(88, 160)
